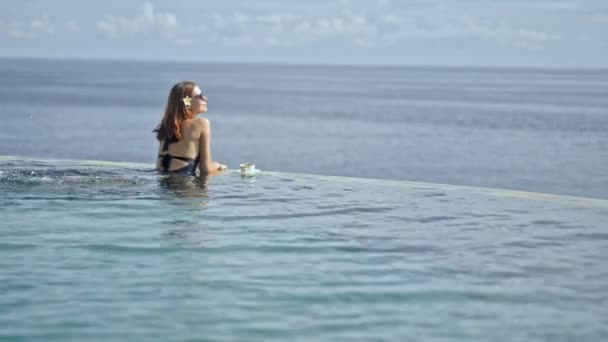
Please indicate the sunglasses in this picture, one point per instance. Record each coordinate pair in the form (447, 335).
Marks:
(201, 96)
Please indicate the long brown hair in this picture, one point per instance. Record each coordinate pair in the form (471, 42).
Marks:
(176, 112)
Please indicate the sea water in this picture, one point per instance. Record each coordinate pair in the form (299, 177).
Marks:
(109, 251)
(543, 130)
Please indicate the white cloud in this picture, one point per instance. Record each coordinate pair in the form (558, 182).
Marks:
(463, 26)
(369, 23)
(383, 3)
(35, 28)
(566, 6)
(147, 21)
(364, 28)
(567, 31)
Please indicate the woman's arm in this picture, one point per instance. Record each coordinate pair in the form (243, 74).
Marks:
(207, 167)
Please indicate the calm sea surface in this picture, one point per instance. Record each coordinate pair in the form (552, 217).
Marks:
(112, 252)
(526, 129)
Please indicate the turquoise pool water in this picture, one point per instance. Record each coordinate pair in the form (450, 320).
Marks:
(106, 251)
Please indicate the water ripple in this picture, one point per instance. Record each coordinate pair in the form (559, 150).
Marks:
(280, 257)
(294, 215)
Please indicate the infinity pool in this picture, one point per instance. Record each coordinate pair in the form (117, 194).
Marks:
(93, 251)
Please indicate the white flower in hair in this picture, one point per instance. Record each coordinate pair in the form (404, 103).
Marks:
(187, 101)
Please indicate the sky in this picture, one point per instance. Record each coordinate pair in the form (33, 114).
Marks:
(537, 33)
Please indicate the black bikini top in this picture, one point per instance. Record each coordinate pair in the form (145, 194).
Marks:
(188, 169)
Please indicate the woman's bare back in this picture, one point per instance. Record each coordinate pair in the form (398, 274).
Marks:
(187, 146)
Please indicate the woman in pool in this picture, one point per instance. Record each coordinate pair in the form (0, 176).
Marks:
(184, 139)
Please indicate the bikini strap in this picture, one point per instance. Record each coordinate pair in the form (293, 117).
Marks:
(165, 163)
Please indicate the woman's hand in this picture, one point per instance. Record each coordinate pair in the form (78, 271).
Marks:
(221, 167)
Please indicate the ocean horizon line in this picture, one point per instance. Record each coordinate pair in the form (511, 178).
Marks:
(304, 64)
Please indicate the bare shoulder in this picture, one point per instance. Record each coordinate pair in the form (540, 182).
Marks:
(203, 123)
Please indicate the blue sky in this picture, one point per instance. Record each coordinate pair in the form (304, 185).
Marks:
(549, 33)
